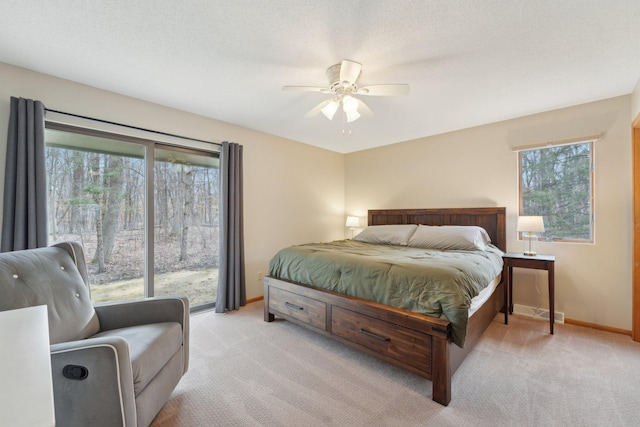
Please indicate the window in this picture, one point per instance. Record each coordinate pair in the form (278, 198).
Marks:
(100, 186)
(557, 184)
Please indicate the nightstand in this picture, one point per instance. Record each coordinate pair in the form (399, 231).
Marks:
(538, 262)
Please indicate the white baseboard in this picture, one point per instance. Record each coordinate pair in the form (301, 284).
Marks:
(540, 313)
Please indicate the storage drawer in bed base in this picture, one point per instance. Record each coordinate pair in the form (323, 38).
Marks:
(306, 310)
(405, 345)
(417, 343)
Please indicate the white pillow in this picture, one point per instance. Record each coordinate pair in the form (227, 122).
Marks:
(397, 234)
(453, 237)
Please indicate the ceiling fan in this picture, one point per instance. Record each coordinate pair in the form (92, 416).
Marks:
(343, 86)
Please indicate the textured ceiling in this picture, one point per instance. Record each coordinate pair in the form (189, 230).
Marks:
(467, 62)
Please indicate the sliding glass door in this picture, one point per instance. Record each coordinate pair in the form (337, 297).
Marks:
(146, 213)
(186, 224)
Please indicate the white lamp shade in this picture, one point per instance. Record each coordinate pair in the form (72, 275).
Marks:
(353, 221)
(350, 107)
(352, 116)
(349, 104)
(533, 224)
(330, 109)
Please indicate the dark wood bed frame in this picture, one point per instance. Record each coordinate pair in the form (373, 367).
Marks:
(415, 342)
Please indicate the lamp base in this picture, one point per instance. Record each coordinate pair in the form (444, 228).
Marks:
(530, 245)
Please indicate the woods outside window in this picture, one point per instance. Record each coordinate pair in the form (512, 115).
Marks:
(557, 183)
(145, 212)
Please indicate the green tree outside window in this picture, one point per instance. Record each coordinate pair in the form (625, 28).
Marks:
(557, 184)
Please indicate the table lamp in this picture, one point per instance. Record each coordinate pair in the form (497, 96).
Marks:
(530, 225)
(353, 222)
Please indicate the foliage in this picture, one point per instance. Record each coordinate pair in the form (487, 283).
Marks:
(99, 199)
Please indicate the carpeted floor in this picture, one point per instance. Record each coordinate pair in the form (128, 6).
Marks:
(246, 372)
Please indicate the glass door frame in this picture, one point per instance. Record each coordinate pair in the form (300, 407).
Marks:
(150, 145)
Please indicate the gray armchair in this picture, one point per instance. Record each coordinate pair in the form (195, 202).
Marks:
(113, 364)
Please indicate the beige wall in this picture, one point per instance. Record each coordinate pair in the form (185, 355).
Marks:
(475, 167)
(294, 192)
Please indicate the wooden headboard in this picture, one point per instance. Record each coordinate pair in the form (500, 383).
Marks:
(491, 219)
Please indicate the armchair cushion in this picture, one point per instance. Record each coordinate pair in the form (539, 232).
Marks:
(124, 314)
(150, 347)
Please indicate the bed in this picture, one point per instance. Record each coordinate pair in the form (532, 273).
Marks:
(416, 342)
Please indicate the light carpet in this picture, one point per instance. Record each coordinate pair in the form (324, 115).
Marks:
(247, 372)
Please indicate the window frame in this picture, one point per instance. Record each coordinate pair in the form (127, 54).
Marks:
(592, 154)
(150, 144)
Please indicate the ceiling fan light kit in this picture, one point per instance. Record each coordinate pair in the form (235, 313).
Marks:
(330, 109)
(352, 116)
(343, 79)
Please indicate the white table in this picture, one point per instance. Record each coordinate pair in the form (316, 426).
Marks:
(26, 390)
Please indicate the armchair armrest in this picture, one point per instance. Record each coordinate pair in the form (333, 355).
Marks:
(140, 312)
(151, 310)
(106, 396)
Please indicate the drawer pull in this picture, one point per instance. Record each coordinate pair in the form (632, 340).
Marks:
(371, 334)
(293, 306)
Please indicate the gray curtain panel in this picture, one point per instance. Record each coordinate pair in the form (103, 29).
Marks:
(24, 220)
(231, 278)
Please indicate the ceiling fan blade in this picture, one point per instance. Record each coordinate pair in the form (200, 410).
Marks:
(317, 109)
(350, 71)
(384, 90)
(307, 89)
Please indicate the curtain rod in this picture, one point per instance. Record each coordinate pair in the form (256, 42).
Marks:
(132, 127)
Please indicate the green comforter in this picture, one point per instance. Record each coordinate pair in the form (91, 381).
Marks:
(432, 282)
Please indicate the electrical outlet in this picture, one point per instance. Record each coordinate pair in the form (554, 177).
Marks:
(260, 276)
